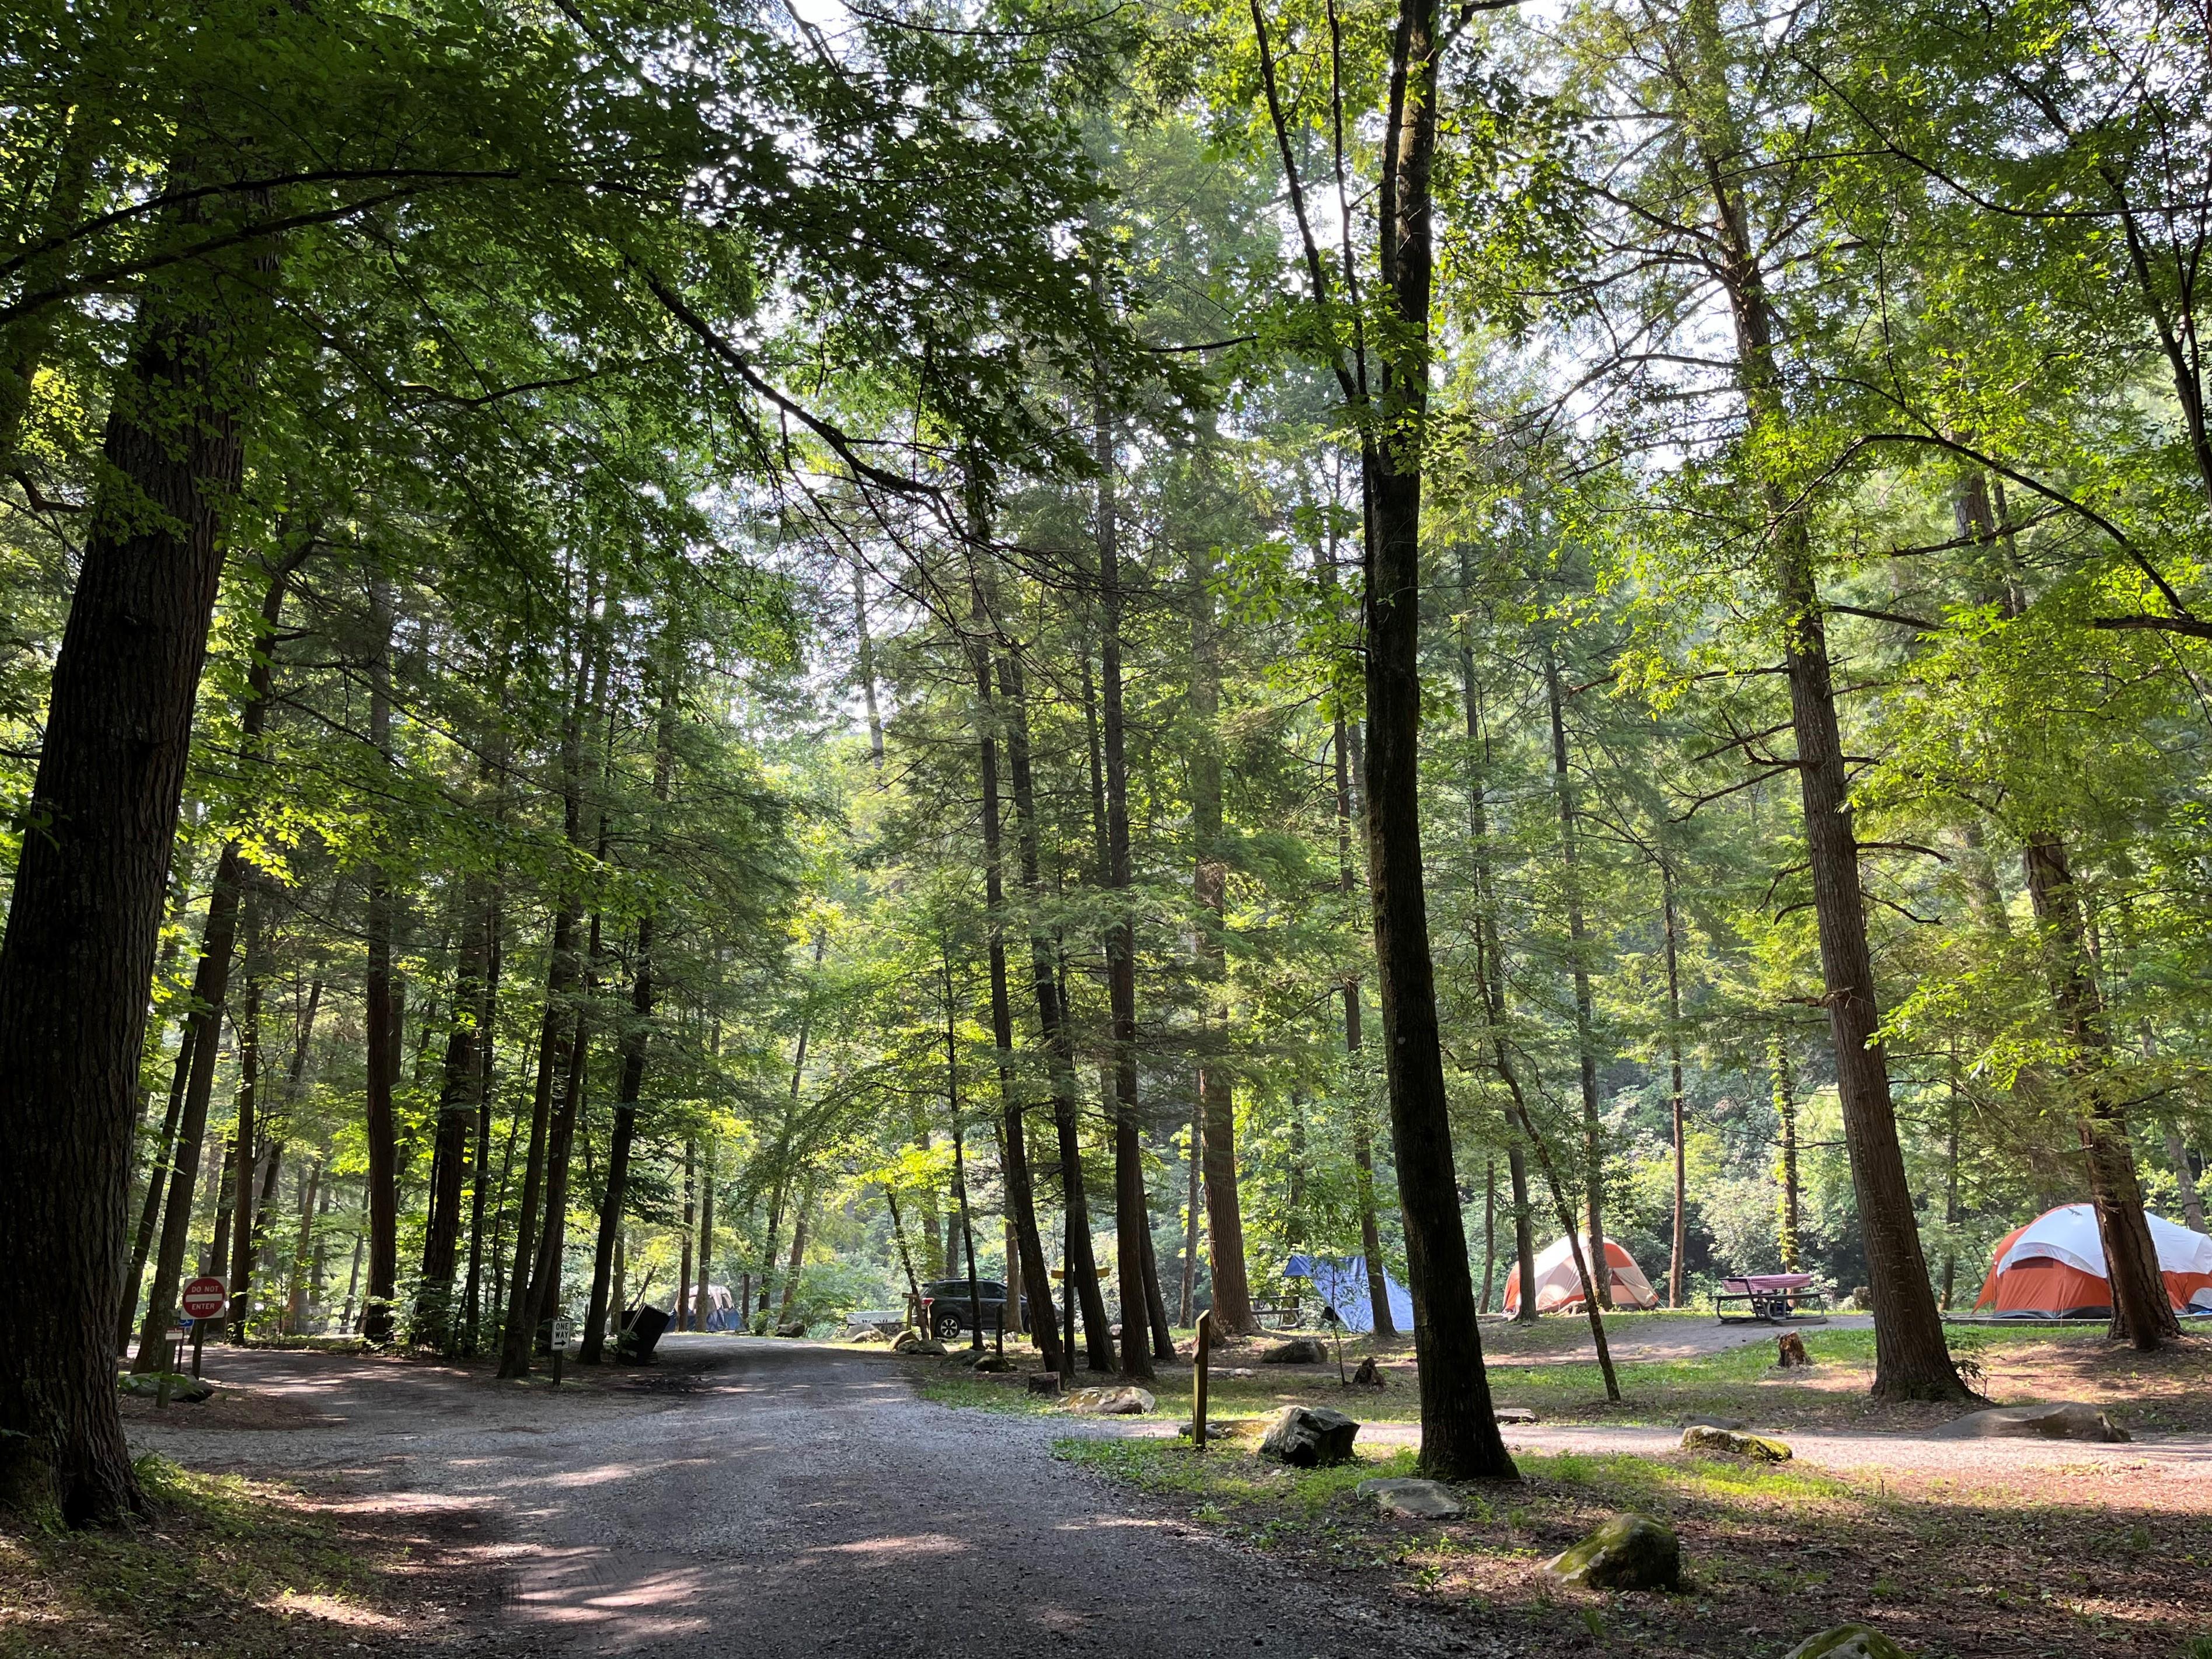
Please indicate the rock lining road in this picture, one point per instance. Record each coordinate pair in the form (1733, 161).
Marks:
(795, 1499)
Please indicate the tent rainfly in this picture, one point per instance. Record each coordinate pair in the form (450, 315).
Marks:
(1340, 1281)
(1558, 1288)
(2054, 1268)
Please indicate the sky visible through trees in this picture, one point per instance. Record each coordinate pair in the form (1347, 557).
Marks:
(742, 658)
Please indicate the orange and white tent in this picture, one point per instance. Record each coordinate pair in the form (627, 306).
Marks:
(1559, 1287)
(2054, 1268)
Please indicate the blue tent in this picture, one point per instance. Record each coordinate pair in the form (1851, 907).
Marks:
(1341, 1282)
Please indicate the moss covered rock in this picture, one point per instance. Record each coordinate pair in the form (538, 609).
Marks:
(1630, 1552)
(1761, 1448)
(1848, 1642)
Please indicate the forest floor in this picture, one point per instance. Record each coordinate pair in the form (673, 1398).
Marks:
(1956, 1547)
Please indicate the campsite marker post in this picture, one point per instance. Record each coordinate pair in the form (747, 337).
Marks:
(1198, 1381)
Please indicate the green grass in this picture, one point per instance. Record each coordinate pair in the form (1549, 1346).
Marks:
(214, 1566)
(1741, 1383)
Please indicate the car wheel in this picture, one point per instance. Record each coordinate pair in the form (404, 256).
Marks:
(948, 1326)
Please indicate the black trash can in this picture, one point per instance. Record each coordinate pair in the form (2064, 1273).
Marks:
(641, 1331)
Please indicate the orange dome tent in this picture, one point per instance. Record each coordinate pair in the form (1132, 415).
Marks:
(1558, 1288)
(2054, 1268)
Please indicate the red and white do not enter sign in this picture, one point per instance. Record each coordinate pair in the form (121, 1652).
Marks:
(204, 1297)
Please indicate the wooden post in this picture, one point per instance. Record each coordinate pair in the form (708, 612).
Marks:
(1198, 1370)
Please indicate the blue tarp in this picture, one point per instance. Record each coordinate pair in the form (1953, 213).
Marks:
(1341, 1282)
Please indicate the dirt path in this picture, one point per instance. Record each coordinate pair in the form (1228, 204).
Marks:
(765, 1500)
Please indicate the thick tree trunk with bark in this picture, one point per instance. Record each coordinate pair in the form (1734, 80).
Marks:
(2143, 1313)
(1459, 1431)
(85, 906)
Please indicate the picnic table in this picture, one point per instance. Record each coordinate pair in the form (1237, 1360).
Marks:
(1772, 1298)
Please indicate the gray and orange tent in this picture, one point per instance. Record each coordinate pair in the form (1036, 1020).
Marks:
(2054, 1268)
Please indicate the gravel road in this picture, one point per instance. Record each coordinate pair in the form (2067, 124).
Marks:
(769, 1498)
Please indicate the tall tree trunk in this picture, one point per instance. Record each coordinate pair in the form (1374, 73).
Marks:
(1217, 1092)
(798, 1261)
(1054, 1022)
(249, 1150)
(1953, 1112)
(563, 972)
(1489, 956)
(1578, 949)
(1129, 1197)
(1384, 1322)
(1025, 1267)
(1912, 1359)
(959, 1150)
(380, 1015)
(683, 1298)
(1156, 1304)
(487, 1049)
(1490, 976)
(215, 1258)
(604, 1257)
(296, 1298)
(2143, 1312)
(1489, 1232)
(211, 985)
(706, 1235)
(1785, 1112)
(158, 1175)
(1674, 1088)
(1459, 1431)
(433, 1320)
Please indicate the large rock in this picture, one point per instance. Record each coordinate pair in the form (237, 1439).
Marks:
(1298, 1350)
(1309, 1437)
(1111, 1402)
(792, 1328)
(1758, 1447)
(1420, 1500)
(1848, 1642)
(1630, 1552)
(2069, 1419)
(915, 1342)
(1513, 1414)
